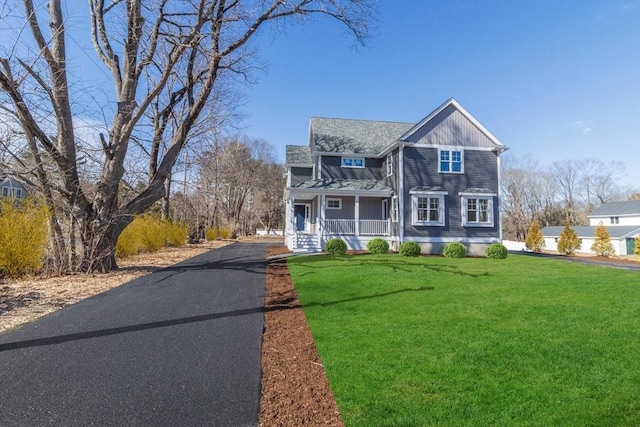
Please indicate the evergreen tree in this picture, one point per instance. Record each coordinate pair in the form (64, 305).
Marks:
(569, 242)
(535, 239)
(602, 245)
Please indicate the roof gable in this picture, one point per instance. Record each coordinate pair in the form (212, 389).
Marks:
(631, 207)
(349, 136)
(451, 124)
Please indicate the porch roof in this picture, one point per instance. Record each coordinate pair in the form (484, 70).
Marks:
(348, 186)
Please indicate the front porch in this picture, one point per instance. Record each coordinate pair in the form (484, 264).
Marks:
(312, 220)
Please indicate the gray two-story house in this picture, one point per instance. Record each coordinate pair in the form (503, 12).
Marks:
(432, 182)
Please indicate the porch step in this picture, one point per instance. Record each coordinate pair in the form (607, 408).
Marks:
(307, 243)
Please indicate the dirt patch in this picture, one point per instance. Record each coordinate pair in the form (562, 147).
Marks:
(295, 389)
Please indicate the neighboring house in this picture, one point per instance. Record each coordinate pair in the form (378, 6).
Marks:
(622, 220)
(11, 187)
(432, 182)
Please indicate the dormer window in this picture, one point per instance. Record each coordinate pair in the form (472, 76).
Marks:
(352, 162)
(451, 161)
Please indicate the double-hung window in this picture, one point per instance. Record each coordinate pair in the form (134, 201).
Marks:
(428, 208)
(5, 191)
(394, 209)
(352, 162)
(451, 161)
(477, 210)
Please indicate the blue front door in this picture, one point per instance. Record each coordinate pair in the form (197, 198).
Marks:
(299, 211)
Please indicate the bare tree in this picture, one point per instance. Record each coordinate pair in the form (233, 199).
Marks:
(270, 204)
(167, 54)
(567, 176)
(240, 186)
(597, 182)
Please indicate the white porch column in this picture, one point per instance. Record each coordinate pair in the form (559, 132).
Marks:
(357, 215)
(321, 214)
(292, 215)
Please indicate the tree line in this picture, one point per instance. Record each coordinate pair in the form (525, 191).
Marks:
(237, 185)
(564, 192)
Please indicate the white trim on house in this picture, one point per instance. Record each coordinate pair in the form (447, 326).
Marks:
(452, 147)
(499, 196)
(464, 206)
(389, 161)
(450, 162)
(401, 193)
(429, 196)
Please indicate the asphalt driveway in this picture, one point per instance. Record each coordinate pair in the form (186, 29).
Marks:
(179, 347)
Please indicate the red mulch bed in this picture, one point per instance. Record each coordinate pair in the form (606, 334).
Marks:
(295, 389)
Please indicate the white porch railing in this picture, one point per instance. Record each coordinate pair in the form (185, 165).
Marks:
(368, 227)
(339, 226)
(374, 227)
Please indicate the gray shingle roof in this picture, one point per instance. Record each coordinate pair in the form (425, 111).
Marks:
(344, 184)
(355, 136)
(618, 208)
(615, 232)
(425, 189)
(298, 155)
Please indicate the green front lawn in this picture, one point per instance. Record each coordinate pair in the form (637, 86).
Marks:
(454, 342)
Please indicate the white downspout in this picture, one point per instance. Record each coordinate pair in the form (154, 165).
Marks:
(321, 222)
(401, 193)
(357, 216)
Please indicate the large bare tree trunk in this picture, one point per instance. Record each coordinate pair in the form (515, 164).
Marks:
(166, 59)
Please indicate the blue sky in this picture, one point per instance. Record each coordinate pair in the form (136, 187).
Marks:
(553, 79)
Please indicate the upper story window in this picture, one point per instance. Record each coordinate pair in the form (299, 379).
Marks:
(352, 162)
(615, 220)
(334, 203)
(389, 165)
(427, 208)
(12, 192)
(451, 161)
(477, 210)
